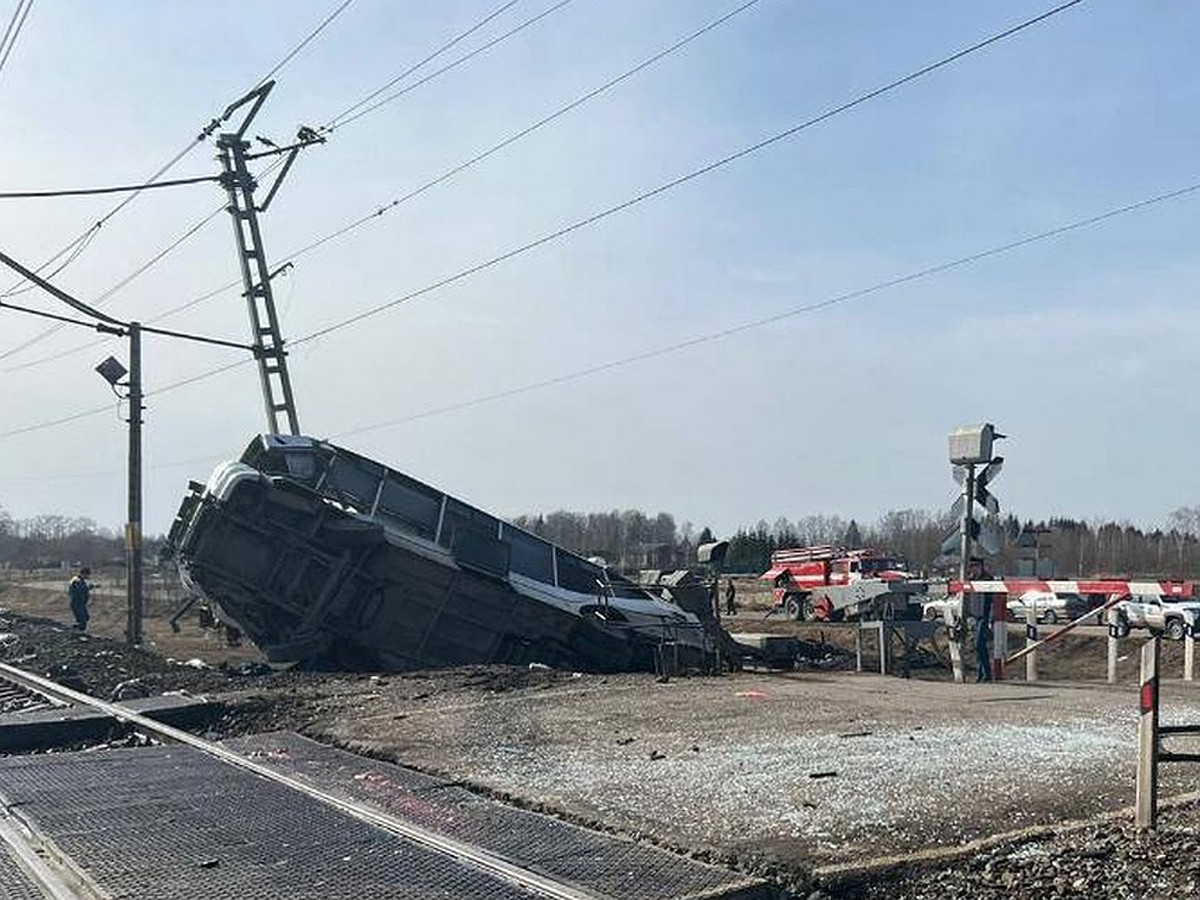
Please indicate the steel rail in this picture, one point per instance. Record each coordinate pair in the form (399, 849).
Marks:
(24, 850)
(483, 860)
(11, 692)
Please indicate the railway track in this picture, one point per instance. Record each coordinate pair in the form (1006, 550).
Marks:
(17, 697)
(26, 688)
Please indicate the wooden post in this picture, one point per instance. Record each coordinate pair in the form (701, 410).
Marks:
(858, 648)
(1146, 796)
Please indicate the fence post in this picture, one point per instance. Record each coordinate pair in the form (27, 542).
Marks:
(1146, 796)
(885, 641)
(1189, 646)
(1031, 637)
(954, 632)
(1113, 645)
(999, 635)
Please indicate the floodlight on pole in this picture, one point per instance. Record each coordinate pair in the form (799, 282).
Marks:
(112, 371)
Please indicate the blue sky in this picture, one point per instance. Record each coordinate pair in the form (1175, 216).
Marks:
(1080, 348)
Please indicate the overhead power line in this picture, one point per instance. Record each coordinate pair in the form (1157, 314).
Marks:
(332, 123)
(71, 252)
(15, 24)
(76, 247)
(235, 282)
(390, 205)
(646, 195)
(524, 132)
(116, 189)
(690, 176)
(287, 57)
(437, 73)
(109, 293)
(792, 312)
(120, 328)
(919, 274)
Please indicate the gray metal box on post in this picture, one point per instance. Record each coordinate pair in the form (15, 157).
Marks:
(972, 444)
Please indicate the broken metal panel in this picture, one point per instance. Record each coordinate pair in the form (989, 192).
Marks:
(326, 557)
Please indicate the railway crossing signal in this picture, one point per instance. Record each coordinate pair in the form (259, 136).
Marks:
(971, 446)
(982, 496)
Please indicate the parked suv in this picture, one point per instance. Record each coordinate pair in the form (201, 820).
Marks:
(1161, 615)
(1049, 607)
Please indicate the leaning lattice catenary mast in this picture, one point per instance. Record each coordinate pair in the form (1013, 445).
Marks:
(237, 180)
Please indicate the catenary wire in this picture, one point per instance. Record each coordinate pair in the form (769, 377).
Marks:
(110, 291)
(232, 284)
(19, 11)
(113, 189)
(926, 272)
(739, 154)
(85, 237)
(394, 203)
(523, 133)
(437, 73)
(15, 24)
(287, 57)
(690, 176)
(332, 123)
(55, 317)
(791, 312)
(121, 329)
(71, 251)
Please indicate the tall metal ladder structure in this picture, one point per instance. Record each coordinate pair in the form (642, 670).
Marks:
(256, 274)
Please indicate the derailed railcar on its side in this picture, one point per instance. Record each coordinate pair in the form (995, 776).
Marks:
(328, 558)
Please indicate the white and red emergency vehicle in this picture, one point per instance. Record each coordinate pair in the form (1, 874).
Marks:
(828, 583)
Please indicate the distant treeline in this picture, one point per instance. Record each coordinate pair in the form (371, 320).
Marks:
(1061, 547)
(50, 541)
(626, 539)
(631, 540)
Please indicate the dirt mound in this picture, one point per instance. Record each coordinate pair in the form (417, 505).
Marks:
(97, 665)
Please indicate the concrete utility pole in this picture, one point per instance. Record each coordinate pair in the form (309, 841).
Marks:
(112, 371)
(133, 528)
(256, 274)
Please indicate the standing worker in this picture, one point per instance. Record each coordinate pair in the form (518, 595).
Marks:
(730, 599)
(983, 624)
(983, 634)
(80, 591)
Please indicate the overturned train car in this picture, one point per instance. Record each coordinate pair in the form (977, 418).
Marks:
(327, 558)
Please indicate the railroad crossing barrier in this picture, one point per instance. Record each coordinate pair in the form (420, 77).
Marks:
(1032, 643)
(1150, 735)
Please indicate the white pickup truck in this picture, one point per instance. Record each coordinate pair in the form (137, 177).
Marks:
(1161, 615)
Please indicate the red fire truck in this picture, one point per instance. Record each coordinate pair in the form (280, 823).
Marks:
(828, 583)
